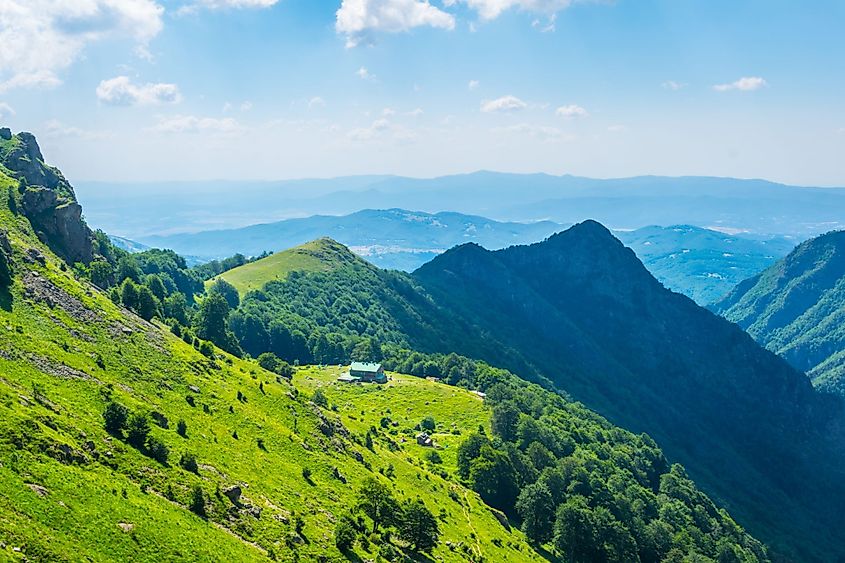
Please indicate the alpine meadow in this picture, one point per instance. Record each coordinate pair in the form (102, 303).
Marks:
(379, 281)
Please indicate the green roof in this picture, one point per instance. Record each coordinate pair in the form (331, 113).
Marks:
(365, 366)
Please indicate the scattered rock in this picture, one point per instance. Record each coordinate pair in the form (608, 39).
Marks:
(193, 389)
(359, 457)
(233, 493)
(126, 526)
(38, 489)
(42, 290)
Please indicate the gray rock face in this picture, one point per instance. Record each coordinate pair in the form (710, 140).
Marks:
(49, 201)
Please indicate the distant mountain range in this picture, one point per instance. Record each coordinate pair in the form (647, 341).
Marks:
(141, 210)
(390, 238)
(796, 308)
(700, 263)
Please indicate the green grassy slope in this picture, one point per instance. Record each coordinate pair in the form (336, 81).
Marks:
(796, 308)
(70, 491)
(317, 256)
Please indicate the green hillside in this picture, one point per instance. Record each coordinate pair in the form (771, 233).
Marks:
(317, 256)
(120, 441)
(69, 490)
(796, 308)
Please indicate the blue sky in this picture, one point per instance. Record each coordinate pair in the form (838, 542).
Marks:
(272, 89)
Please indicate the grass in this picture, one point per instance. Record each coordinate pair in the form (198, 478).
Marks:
(71, 491)
(316, 256)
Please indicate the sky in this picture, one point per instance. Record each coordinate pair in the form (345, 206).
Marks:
(152, 90)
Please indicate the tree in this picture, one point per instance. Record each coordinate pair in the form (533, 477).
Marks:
(101, 274)
(127, 269)
(138, 428)
(575, 533)
(227, 291)
(468, 451)
(493, 477)
(157, 450)
(147, 303)
(418, 526)
(115, 417)
(211, 323)
(176, 307)
(271, 362)
(344, 535)
(197, 504)
(536, 507)
(129, 294)
(505, 420)
(155, 284)
(376, 501)
(428, 423)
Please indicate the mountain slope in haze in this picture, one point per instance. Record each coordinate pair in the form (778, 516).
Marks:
(703, 264)
(756, 206)
(389, 238)
(579, 312)
(796, 308)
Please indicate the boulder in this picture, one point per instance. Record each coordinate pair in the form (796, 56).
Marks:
(234, 493)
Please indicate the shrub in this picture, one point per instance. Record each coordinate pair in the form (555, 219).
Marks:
(188, 462)
(182, 428)
(115, 417)
(138, 428)
(434, 457)
(320, 399)
(306, 473)
(428, 423)
(197, 504)
(344, 535)
(157, 450)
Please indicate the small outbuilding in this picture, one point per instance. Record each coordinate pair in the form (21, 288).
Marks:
(424, 439)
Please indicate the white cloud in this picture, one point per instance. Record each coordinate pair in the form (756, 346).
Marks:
(358, 19)
(225, 4)
(6, 110)
(503, 104)
(673, 85)
(364, 74)
(744, 84)
(547, 27)
(193, 124)
(541, 132)
(571, 111)
(416, 112)
(121, 91)
(617, 128)
(246, 106)
(41, 38)
(491, 9)
(316, 102)
(473, 84)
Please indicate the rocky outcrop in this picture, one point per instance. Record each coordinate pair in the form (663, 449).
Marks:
(48, 199)
(5, 259)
